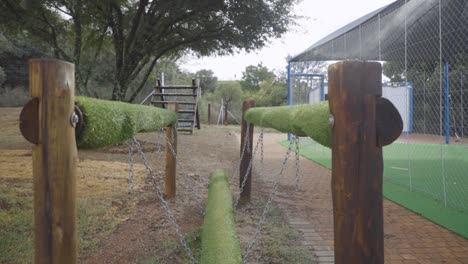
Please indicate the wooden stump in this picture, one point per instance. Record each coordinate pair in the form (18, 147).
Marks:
(55, 157)
(245, 171)
(357, 165)
(171, 162)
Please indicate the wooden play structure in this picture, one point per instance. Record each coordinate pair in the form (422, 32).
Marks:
(185, 97)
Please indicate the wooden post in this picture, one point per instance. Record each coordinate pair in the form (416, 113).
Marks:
(357, 165)
(171, 163)
(54, 162)
(244, 165)
(209, 114)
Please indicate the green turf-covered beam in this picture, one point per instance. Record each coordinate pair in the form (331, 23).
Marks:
(220, 243)
(303, 120)
(109, 122)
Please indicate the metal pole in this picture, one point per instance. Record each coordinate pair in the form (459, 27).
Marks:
(462, 109)
(442, 152)
(289, 91)
(447, 103)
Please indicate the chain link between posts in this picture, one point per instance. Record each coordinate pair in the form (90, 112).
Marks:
(190, 180)
(267, 206)
(131, 172)
(236, 170)
(164, 203)
(298, 164)
(261, 145)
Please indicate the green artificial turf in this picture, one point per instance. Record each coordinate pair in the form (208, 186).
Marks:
(110, 122)
(421, 162)
(220, 243)
(303, 120)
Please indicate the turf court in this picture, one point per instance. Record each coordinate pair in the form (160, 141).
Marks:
(414, 178)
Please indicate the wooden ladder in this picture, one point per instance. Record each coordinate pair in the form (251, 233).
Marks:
(186, 98)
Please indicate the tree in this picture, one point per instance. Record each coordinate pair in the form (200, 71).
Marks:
(207, 80)
(273, 93)
(231, 93)
(144, 31)
(68, 27)
(253, 75)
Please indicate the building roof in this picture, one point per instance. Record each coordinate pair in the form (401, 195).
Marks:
(405, 30)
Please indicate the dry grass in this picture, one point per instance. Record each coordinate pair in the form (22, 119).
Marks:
(103, 202)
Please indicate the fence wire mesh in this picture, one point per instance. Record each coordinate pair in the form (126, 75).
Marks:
(423, 47)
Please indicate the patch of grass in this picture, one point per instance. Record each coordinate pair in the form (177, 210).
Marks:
(102, 204)
(282, 244)
(278, 243)
(172, 251)
(15, 223)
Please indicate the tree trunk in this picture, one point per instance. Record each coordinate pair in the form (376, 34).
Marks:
(226, 109)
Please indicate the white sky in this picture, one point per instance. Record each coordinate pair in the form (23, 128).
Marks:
(322, 17)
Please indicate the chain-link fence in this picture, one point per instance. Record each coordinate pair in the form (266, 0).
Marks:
(423, 47)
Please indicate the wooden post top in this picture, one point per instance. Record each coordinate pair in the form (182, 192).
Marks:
(357, 78)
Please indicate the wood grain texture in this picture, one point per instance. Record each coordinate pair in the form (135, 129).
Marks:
(357, 164)
(54, 163)
(171, 163)
(244, 164)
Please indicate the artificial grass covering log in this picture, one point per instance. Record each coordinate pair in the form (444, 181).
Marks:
(220, 243)
(303, 120)
(109, 122)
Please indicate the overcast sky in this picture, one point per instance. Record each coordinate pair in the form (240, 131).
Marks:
(322, 17)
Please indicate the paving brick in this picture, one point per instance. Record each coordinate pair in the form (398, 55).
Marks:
(406, 233)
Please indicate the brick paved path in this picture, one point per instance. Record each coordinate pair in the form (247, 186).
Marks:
(409, 238)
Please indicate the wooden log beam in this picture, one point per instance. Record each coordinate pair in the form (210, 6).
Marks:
(54, 162)
(357, 165)
(171, 162)
(245, 171)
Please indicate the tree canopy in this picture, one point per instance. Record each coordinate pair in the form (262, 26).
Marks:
(254, 75)
(142, 32)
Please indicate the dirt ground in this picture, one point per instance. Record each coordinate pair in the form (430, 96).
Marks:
(121, 227)
(116, 226)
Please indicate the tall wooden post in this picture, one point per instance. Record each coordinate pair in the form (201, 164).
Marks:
(50, 123)
(171, 163)
(244, 165)
(357, 166)
(209, 114)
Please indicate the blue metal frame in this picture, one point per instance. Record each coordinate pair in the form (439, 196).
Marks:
(447, 103)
